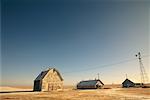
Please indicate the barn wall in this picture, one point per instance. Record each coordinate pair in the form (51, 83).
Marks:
(51, 81)
(37, 85)
(86, 87)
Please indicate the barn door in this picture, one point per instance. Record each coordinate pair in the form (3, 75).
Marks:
(50, 87)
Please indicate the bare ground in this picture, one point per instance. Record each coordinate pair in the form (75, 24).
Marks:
(73, 94)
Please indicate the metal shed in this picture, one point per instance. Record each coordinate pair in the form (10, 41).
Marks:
(90, 84)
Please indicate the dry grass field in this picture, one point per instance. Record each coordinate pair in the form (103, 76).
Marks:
(69, 93)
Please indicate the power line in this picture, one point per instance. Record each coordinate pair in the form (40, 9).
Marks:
(104, 66)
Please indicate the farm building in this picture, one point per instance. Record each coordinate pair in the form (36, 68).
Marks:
(128, 83)
(139, 84)
(90, 84)
(48, 80)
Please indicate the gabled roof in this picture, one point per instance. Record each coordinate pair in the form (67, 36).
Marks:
(43, 74)
(128, 81)
(58, 73)
(89, 83)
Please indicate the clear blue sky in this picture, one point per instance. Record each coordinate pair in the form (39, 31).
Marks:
(71, 35)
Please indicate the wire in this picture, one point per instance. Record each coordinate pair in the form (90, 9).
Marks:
(103, 66)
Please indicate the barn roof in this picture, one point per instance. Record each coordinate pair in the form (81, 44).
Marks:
(127, 80)
(43, 74)
(58, 74)
(89, 83)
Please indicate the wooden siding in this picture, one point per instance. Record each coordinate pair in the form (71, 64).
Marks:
(51, 81)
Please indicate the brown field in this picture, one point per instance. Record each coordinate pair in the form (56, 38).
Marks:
(70, 93)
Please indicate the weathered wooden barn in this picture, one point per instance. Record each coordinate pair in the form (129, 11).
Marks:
(90, 84)
(128, 83)
(48, 80)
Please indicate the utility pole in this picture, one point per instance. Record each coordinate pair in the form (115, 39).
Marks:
(144, 77)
